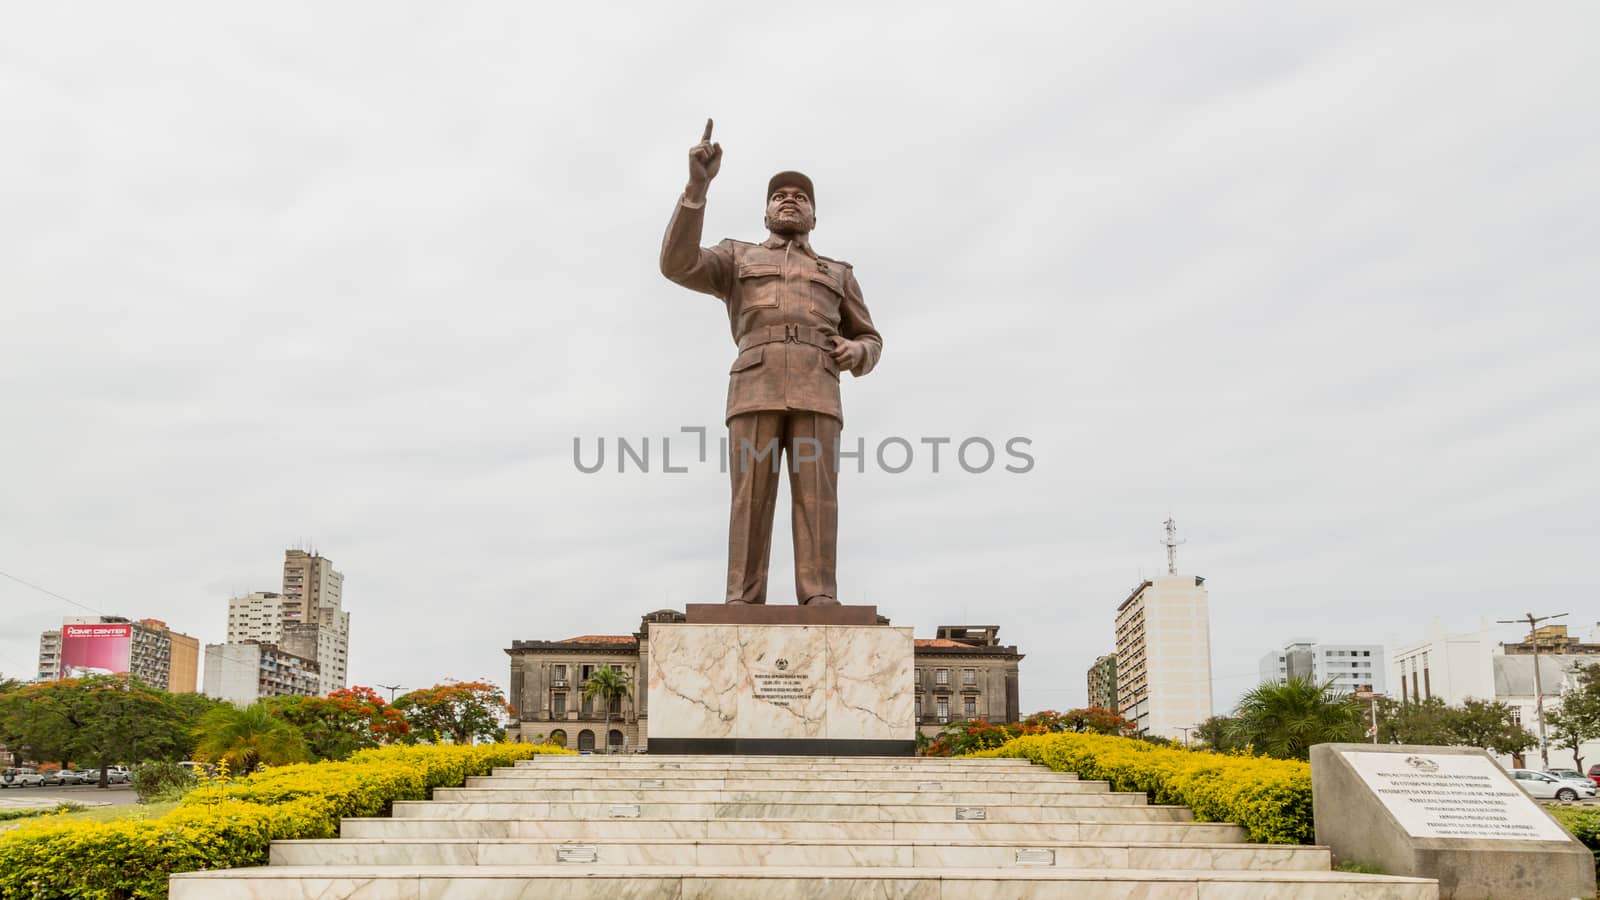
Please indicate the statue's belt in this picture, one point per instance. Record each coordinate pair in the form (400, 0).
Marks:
(779, 334)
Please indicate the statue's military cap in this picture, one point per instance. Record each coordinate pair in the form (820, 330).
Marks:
(794, 179)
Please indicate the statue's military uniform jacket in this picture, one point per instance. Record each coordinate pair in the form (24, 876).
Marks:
(785, 303)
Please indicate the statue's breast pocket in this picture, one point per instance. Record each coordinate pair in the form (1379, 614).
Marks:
(758, 286)
(826, 295)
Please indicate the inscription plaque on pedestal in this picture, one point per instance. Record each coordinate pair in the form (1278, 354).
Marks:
(1449, 813)
(829, 689)
(1434, 795)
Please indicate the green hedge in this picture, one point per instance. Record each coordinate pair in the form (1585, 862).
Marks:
(1583, 823)
(232, 825)
(1270, 798)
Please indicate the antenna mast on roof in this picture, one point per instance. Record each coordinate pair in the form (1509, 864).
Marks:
(1171, 543)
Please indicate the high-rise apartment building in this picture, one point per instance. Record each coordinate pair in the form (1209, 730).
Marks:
(306, 619)
(1103, 683)
(1164, 655)
(1346, 667)
(310, 586)
(256, 617)
(314, 623)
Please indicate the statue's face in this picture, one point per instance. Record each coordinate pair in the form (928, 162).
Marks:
(789, 211)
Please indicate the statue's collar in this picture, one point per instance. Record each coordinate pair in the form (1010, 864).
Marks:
(778, 243)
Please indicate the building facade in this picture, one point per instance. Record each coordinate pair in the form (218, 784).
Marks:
(1164, 655)
(1103, 683)
(963, 673)
(1451, 667)
(154, 654)
(245, 672)
(1348, 668)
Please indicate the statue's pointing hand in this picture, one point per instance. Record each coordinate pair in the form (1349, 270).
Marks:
(705, 159)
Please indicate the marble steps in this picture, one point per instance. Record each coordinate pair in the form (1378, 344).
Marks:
(781, 829)
(746, 852)
(759, 760)
(477, 794)
(782, 764)
(804, 812)
(672, 783)
(782, 883)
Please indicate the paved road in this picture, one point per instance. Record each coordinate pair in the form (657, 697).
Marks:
(88, 795)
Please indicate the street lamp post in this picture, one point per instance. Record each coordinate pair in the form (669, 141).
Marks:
(1538, 683)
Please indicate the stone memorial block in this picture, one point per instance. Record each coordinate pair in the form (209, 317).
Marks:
(1447, 813)
(761, 689)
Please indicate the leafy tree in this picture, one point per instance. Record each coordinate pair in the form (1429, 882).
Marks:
(341, 723)
(460, 710)
(247, 737)
(101, 720)
(1577, 719)
(607, 684)
(1216, 733)
(1487, 724)
(1284, 720)
(1427, 722)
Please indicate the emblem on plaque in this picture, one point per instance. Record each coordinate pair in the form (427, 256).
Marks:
(1422, 764)
(783, 664)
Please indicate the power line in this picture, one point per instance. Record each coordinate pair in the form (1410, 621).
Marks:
(51, 593)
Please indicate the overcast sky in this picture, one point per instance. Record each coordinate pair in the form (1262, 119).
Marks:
(1321, 285)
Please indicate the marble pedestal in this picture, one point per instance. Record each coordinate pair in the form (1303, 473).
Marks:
(839, 690)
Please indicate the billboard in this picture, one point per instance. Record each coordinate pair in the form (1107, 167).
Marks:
(95, 649)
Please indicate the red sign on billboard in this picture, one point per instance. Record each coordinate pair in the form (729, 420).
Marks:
(95, 649)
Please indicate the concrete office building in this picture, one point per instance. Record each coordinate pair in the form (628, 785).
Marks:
(1348, 667)
(1164, 655)
(245, 672)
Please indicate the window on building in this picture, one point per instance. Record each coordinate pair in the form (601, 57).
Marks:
(941, 676)
(616, 706)
(969, 708)
(969, 677)
(616, 667)
(559, 673)
(584, 672)
(944, 710)
(587, 709)
(558, 705)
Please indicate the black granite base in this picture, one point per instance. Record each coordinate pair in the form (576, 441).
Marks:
(779, 747)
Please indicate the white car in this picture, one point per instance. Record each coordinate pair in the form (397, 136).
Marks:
(23, 777)
(1542, 786)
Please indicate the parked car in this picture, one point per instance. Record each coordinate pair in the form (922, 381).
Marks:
(1578, 779)
(1594, 774)
(61, 778)
(22, 777)
(1543, 786)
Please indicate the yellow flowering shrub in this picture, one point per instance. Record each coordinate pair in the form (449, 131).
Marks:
(231, 825)
(1270, 798)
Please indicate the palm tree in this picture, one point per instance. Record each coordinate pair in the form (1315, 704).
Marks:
(607, 685)
(1284, 720)
(248, 737)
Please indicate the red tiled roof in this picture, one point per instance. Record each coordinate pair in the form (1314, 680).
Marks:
(601, 639)
(939, 642)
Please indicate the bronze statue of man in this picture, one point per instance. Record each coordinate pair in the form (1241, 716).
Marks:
(798, 319)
